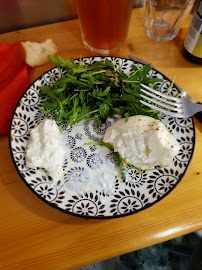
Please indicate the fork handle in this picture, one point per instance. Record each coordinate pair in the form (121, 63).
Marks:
(198, 115)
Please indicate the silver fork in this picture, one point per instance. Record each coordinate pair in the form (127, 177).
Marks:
(173, 106)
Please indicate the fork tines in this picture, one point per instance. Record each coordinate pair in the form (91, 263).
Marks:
(161, 102)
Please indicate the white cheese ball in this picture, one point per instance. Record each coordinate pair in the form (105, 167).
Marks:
(45, 149)
(142, 141)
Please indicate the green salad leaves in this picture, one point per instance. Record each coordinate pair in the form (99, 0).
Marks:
(95, 91)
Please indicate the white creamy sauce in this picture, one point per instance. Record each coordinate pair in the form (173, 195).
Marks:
(101, 177)
(46, 150)
(142, 141)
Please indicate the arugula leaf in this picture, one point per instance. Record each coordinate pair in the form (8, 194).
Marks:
(103, 110)
(128, 97)
(148, 81)
(126, 115)
(105, 92)
(134, 77)
(117, 155)
(95, 90)
(118, 111)
(144, 72)
(46, 90)
(109, 64)
(50, 105)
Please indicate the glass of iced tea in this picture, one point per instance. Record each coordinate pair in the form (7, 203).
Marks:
(104, 24)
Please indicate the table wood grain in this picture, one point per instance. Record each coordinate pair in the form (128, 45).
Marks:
(35, 236)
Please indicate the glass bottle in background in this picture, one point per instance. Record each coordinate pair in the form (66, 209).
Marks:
(192, 49)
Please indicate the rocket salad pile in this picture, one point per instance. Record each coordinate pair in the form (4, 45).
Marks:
(96, 91)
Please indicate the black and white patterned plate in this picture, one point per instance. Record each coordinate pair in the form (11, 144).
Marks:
(140, 191)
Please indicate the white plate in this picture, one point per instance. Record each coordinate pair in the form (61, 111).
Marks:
(140, 191)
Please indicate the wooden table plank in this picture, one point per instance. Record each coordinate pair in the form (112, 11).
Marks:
(35, 236)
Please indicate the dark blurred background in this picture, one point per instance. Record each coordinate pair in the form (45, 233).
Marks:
(21, 14)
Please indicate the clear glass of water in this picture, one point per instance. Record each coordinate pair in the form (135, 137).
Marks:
(163, 18)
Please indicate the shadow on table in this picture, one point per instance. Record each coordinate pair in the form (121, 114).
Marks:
(181, 253)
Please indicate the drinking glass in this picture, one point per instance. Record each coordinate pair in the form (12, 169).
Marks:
(163, 18)
(104, 24)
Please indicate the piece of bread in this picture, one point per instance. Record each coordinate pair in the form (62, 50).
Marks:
(36, 54)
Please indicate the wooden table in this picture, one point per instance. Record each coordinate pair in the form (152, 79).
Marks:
(35, 236)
